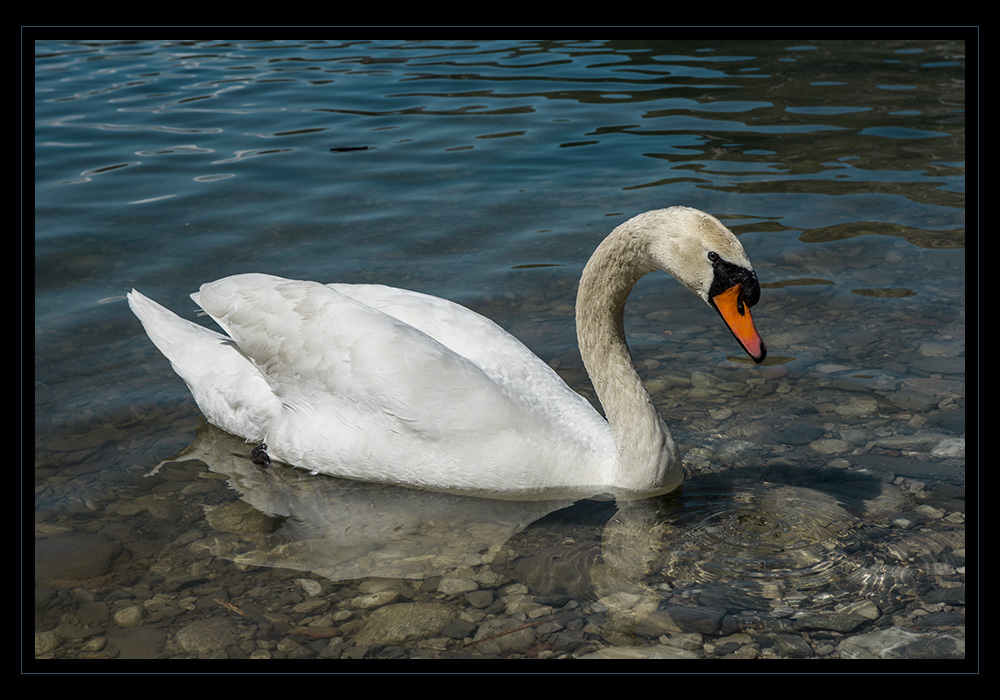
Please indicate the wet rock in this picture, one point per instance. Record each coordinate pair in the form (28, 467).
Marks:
(137, 643)
(939, 365)
(453, 585)
(130, 616)
(915, 401)
(736, 452)
(91, 614)
(909, 467)
(790, 646)
(800, 434)
(940, 349)
(703, 620)
(46, 642)
(862, 608)
(830, 446)
(949, 448)
(898, 643)
(836, 621)
(855, 436)
(208, 638)
(78, 556)
(404, 622)
(459, 628)
(239, 518)
(859, 407)
(947, 596)
(944, 618)
(930, 511)
(480, 599)
(376, 599)
(659, 652)
(925, 393)
(734, 646)
(951, 420)
(912, 441)
(504, 636)
(702, 380)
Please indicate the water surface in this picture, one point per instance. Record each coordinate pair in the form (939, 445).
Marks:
(486, 172)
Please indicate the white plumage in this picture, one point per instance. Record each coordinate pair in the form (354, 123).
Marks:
(382, 384)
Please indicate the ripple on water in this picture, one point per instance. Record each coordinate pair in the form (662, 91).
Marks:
(794, 543)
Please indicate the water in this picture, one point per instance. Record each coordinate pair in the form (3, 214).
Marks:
(486, 172)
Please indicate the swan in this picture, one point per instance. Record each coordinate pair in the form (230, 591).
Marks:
(376, 383)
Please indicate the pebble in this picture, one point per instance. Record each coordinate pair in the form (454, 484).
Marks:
(858, 408)
(370, 601)
(403, 622)
(632, 652)
(46, 642)
(129, 617)
(458, 617)
(207, 638)
(503, 637)
(949, 448)
(830, 446)
(451, 585)
(898, 643)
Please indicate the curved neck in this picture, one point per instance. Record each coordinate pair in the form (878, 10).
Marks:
(647, 455)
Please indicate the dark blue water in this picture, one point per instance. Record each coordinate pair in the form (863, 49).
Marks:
(487, 172)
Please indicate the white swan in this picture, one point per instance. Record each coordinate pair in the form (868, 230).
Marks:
(382, 384)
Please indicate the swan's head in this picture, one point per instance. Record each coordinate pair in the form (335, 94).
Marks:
(707, 258)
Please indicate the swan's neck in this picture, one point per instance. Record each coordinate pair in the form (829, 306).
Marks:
(647, 455)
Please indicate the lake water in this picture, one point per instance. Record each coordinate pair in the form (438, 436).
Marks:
(826, 485)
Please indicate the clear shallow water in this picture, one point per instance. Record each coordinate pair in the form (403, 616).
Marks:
(486, 172)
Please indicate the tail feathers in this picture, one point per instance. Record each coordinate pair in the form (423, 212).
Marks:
(188, 346)
(227, 386)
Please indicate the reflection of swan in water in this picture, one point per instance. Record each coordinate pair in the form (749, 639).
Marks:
(342, 529)
(385, 385)
(626, 556)
(345, 530)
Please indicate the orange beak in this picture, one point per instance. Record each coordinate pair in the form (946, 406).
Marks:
(736, 313)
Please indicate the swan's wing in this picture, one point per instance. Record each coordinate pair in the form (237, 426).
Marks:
(313, 344)
(504, 358)
(337, 385)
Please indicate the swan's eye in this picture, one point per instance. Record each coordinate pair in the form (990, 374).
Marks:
(713, 256)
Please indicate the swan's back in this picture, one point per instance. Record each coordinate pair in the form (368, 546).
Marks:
(377, 383)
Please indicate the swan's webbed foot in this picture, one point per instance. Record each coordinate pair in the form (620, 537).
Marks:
(259, 456)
